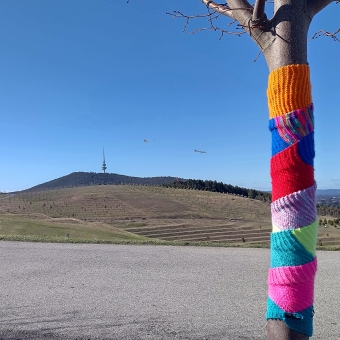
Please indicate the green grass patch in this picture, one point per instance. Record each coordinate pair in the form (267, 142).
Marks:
(12, 226)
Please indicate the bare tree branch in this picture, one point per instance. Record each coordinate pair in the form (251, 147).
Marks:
(223, 32)
(242, 10)
(211, 17)
(259, 14)
(321, 33)
(220, 8)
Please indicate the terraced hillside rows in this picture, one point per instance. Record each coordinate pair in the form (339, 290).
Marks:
(156, 212)
(122, 202)
(170, 214)
(226, 233)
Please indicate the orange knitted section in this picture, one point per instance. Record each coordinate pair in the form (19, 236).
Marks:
(289, 89)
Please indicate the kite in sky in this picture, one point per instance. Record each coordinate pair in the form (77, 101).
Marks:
(200, 151)
(148, 141)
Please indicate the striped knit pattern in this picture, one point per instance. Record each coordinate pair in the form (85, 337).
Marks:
(290, 128)
(293, 240)
(295, 210)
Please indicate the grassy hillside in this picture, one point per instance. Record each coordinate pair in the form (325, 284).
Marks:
(141, 213)
(26, 226)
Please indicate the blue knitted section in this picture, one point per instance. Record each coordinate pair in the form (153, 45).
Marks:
(278, 144)
(292, 320)
(286, 250)
(291, 128)
(306, 149)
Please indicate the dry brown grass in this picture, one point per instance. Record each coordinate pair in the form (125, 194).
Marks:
(153, 212)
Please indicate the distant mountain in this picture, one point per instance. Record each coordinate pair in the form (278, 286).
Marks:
(327, 192)
(80, 179)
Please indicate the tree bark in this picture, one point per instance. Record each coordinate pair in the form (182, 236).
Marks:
(277, 330)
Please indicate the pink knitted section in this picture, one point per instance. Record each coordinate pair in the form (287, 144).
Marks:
(292, 288)
(295, 210)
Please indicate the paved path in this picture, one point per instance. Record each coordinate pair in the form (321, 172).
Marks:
(67, 291)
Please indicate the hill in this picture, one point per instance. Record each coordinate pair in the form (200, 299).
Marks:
(154, 212)
(80, 179)
(328, 203)
(147, 212)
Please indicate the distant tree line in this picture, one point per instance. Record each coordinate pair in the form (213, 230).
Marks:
(328, 210)
(214, 186)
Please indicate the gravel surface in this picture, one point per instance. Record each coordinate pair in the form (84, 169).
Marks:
(121, 292)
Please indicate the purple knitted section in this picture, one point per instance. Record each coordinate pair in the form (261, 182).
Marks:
(295, 210)
(294, 125)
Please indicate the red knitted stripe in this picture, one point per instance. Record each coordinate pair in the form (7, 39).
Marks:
(289, 173)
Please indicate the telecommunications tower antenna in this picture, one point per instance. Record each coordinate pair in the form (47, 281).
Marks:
(104, 164)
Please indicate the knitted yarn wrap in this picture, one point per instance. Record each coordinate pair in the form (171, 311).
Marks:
(293, 262)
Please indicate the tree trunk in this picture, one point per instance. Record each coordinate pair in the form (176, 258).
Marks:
(283, 41)
(293, 240)
(294, 234)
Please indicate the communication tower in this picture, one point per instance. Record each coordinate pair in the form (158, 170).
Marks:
(104, 164)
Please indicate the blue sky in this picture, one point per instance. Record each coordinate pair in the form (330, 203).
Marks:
(80, 75)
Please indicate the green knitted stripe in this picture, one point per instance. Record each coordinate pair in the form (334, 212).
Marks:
(307, 236)
(286, 250)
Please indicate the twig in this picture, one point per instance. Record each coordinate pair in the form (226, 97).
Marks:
(321, 33)
(211, 16)
(257, 57)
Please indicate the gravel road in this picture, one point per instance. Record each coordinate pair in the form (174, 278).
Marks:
(125, 292)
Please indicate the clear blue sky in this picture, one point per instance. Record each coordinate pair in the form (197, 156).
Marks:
(79, 75)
